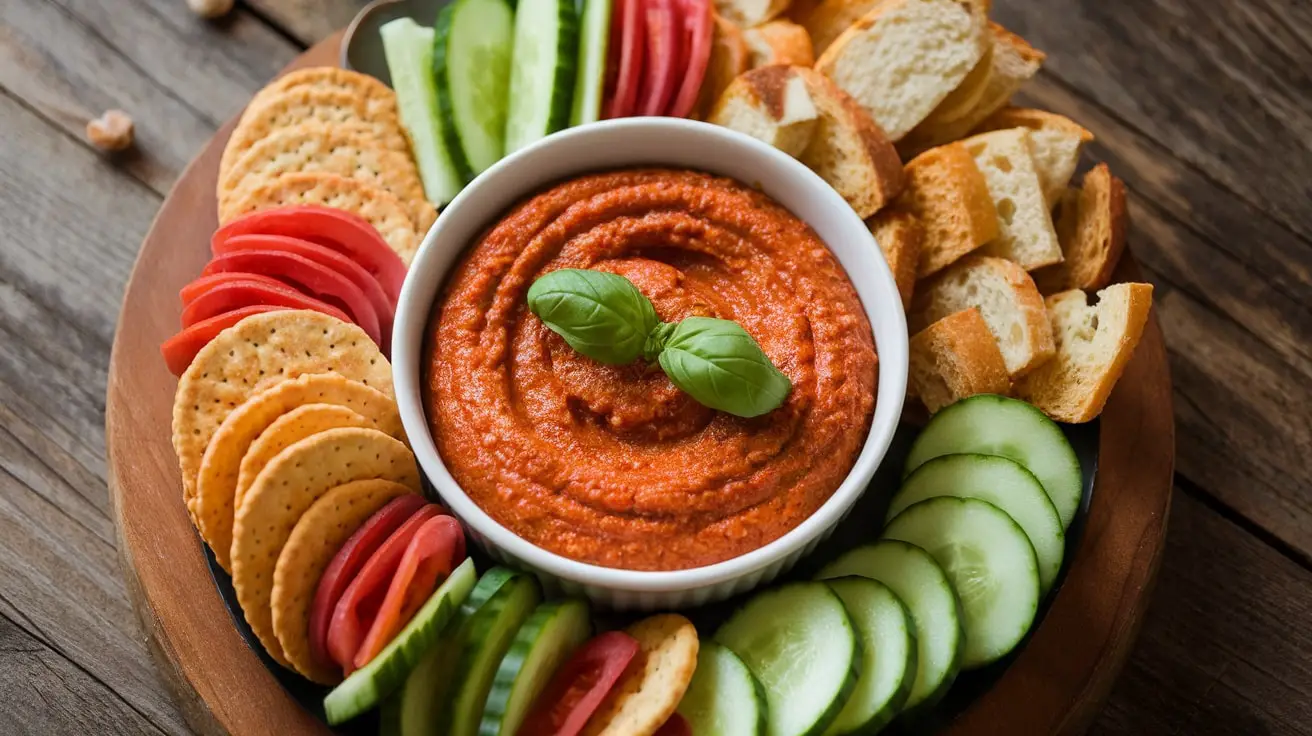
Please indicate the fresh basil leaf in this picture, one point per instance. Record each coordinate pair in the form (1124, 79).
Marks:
(717, 363)
(601, 315)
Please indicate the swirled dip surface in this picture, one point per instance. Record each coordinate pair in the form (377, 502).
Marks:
(613, 465)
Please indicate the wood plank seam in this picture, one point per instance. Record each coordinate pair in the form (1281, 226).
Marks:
(19, 481)
(273, 25)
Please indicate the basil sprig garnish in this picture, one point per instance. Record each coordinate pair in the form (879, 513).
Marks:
(605, 317)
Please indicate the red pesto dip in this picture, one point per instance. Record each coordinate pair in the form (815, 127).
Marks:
(613, 465)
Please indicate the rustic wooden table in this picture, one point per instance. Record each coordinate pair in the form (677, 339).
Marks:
(1203, 107)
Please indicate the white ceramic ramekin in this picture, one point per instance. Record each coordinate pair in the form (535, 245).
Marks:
(672, 143)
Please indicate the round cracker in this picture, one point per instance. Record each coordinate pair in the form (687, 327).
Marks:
(304, 104)
(255, 354)
(380, 208)
(285, 490)
(350, 150)
(654, 682)
(220, 468)
(379, 99)
(316, 538)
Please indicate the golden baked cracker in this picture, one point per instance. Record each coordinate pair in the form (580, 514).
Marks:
(321, 531)
(289, 429)
(655, 681)
(350, 150)
(303, 104)
(221, 466)
(383, 210)
(284, 490)
(253, 355)
(379, 99)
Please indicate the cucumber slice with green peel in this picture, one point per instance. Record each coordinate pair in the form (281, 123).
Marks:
(367, 686)
(408, 47)
(990, 562)
(996, 425)
(923, 587)
(594, 44)
(543, 643)
(542, 75)
(471, 66)
(416, 709)
(799, 642)
(724, 697)
(1003, 483)
(486, 632)
(888, 665)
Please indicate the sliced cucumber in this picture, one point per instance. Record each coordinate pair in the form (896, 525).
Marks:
(1003, 483)
(367, 686)
(594, 43)
(888, 644)
(485, 635)
(471, 66)
(990, 562)
(923, 587)
(408, 47)
(798, 641)
(542, 645)
(724, 697)
(541, 71)
(996, 425)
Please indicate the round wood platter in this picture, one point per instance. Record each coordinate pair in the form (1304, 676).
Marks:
(1054, 686)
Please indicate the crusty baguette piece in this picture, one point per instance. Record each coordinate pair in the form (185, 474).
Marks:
(830, 18)
(848, 149)
(778, 42)
(899, 235)
(749, 13)
(729, 58)
(772, 105)
(946, 191)
(1094, 342)
(1025, 232)
(1057, 142)
(1012, 63)
(954, 358)
(1091, 227)
(901, 59)
(1007, 299)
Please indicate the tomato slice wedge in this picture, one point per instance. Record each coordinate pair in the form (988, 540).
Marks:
(354, 272)
(632, 45)
(246, 293)
(359, 604)
(664, 36)
(311, 278)
(432, 554)
(346, 564)
(181, 349)
(203, 284)
(578, 687)
(331, 228)
(675, 725)
(698, 27)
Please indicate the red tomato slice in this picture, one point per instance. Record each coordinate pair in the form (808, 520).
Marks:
(346, 565)
(632, 44)
(698, 26)
(181, 349)
(205, 283)
(331, 228)
(236, 294)
(361, 600)
(613, 58)
(431, 555)
(354, 272)
(676, 725)
(310, 277)
(664, 35)
(578, 687)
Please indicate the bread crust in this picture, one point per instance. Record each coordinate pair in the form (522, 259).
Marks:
(1027, 117)
(729, 57)
(1092, 229)
(954, 358)
(948, 193)
(779, 42)
(899, 235)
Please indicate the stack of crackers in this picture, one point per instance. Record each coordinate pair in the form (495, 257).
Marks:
(330, 137)
(288, 438)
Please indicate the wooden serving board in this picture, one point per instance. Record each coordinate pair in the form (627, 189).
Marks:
(1054, 686)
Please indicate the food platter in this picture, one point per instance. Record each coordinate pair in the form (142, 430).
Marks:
(1060, 676)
